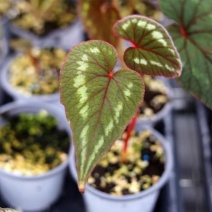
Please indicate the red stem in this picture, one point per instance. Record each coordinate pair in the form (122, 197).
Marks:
(126, 140)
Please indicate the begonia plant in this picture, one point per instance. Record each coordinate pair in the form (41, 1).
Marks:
(99, 98)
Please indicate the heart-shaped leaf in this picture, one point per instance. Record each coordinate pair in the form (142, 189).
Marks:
(99, 102)
(153, 52)
(192, 35)
(98, 17)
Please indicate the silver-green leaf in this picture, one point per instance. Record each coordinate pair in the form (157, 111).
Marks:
(98, 101)
(153, 52)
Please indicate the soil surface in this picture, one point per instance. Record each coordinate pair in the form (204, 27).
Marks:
(144, 167)
(155, 97)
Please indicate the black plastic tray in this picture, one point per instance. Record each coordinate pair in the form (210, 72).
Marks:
(205, 124)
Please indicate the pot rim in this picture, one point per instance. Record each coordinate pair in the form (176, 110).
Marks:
(163, 179)
(37, 39)
(58, 115)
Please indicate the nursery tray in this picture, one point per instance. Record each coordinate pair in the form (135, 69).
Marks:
(190, 154)
(189, 188)
(71, 200)
(205, 124)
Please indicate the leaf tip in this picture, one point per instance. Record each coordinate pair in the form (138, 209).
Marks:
(81, 187)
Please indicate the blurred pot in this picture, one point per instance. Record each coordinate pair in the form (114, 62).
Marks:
(33, 193)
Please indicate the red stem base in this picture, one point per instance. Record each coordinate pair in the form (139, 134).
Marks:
(126, 140)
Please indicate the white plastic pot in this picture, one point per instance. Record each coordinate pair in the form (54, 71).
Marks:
(16, 95)
(144, 201)
(33, 193)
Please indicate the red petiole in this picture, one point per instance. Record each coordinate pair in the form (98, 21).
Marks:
(126, 139)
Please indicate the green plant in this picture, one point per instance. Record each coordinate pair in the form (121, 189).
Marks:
(192, 35)
(42, 64)
(99, 100)
(25, 46)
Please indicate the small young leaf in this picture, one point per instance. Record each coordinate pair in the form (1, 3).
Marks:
(98, 17)
(192, 35)
(153, 52)
(99, 102)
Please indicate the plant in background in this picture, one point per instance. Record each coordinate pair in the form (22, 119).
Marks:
(107, 12)
(8, 210)
(100, 100)
(147, 8)
(41, 17)
(155, 99)
(25, 46)
(4, 7)
(192, 35)
(42, 64)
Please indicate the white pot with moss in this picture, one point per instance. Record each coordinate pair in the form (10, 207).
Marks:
(46, 22)
(35, 144)
(132, 186)
(33, 74)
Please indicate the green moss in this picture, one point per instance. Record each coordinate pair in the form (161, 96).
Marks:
(31, 144)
